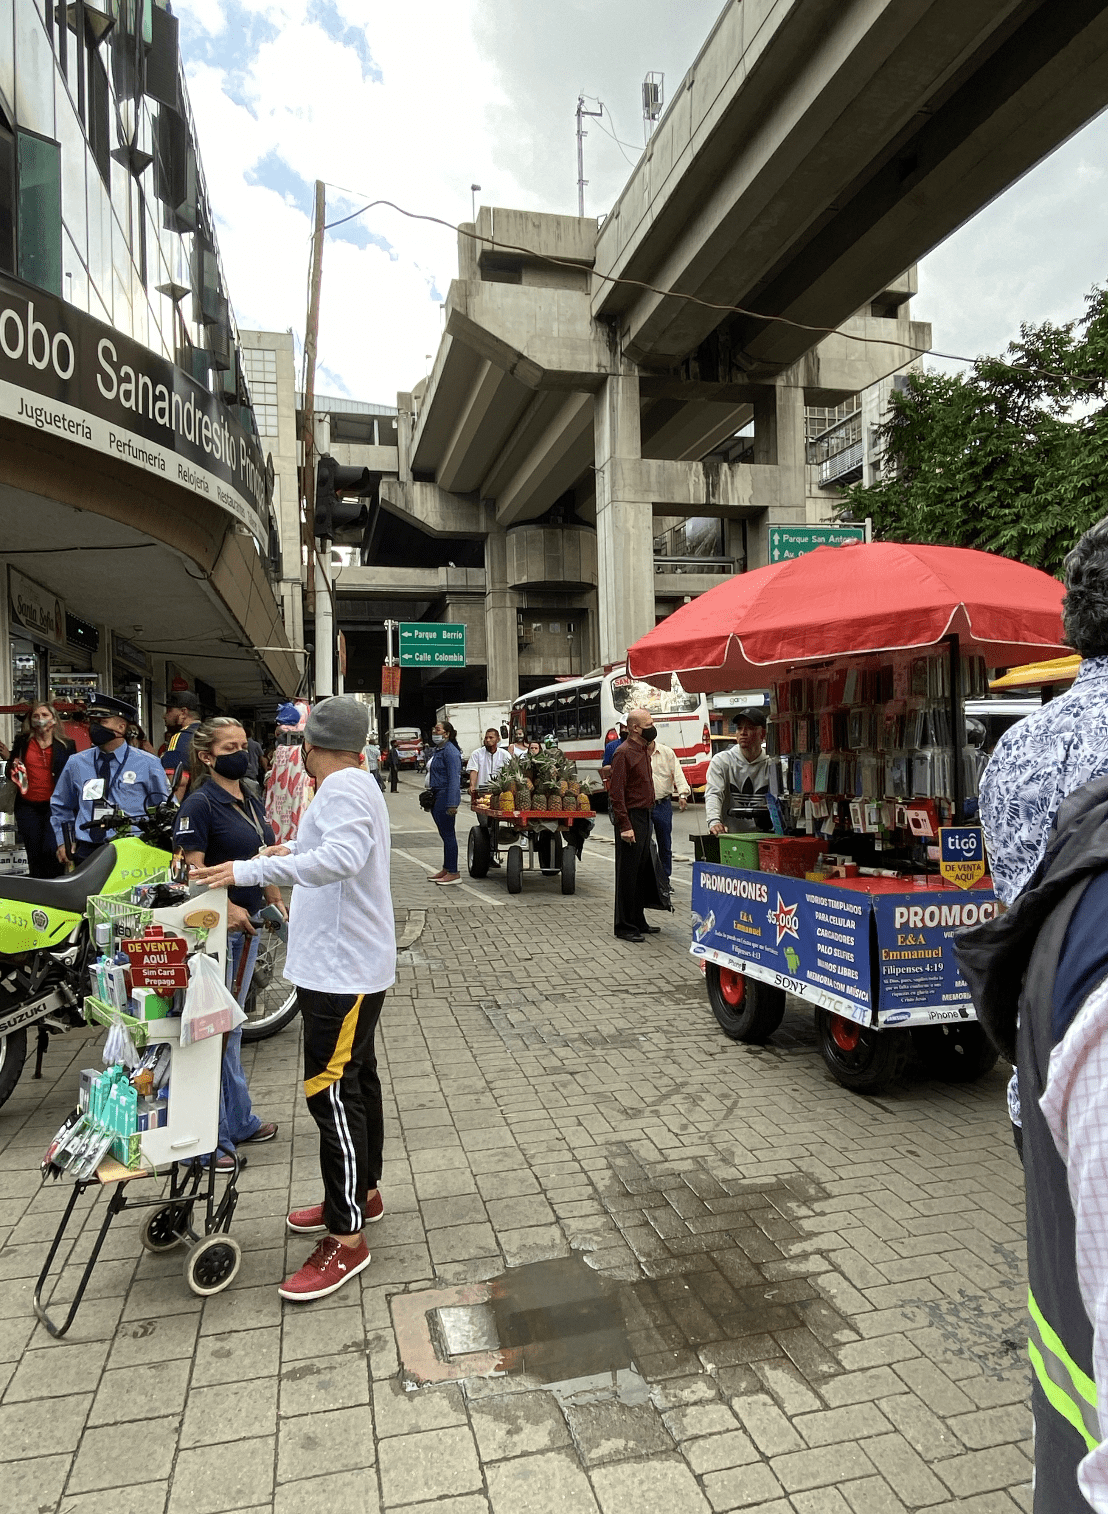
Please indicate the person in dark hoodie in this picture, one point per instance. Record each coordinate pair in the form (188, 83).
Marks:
(1039, 979)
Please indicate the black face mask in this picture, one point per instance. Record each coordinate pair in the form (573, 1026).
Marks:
(232, 764)
(649, 732)
(100, 735)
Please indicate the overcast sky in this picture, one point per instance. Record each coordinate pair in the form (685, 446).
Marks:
(414, 104)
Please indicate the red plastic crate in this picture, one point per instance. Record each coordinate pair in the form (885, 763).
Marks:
(792, 856)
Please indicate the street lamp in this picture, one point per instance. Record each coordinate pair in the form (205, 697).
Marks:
(474, 191)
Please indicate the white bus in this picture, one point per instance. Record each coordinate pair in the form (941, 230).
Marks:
(582, 714)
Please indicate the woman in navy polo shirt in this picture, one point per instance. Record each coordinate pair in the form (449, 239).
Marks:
(220, 822)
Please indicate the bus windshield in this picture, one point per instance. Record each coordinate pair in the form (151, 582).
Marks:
(629, 694)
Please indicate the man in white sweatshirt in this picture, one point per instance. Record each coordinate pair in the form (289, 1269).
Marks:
(342, 958)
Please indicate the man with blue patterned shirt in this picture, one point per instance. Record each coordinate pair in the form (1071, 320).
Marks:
(1057, 749)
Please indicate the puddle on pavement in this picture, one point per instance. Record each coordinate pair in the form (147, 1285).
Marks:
(715, 1298)
(561, 1319)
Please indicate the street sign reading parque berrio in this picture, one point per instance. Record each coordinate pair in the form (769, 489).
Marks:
(427, 644)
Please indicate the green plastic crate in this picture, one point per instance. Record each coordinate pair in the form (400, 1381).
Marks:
(739, 851)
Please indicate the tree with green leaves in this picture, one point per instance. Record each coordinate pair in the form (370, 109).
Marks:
(1009, 457)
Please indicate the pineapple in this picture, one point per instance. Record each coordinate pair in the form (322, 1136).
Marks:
(583, 802)
(540, 801)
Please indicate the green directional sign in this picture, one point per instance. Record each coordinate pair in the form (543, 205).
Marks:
(430, 644)
(794, 541)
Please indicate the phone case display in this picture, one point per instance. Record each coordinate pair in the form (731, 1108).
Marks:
(864, 742)
(156, 983)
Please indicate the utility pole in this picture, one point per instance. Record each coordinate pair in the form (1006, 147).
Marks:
(318, 587)
(390, 627)
(581, 135)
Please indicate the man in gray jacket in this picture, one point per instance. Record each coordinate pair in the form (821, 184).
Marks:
(740, 771)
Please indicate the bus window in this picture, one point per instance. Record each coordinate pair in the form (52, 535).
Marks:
(588, 710)
(565, 727)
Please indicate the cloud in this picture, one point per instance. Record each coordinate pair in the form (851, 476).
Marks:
(484, 91)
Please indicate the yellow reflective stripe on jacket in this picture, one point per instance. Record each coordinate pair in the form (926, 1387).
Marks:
(340, 1056)
(1068, 1389)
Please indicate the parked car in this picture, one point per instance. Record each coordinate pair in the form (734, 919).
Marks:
(409, 743)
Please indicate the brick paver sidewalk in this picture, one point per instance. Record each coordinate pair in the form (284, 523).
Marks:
(820, 1295)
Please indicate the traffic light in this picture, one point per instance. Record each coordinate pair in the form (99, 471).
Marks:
(335, 512)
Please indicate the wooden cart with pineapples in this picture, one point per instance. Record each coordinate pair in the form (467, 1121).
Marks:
(539, 809)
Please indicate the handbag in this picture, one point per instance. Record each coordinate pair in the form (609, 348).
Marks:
(427, 799)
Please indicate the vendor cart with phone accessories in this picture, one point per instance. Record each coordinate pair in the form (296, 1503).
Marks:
(165, 1133)
(853, 903)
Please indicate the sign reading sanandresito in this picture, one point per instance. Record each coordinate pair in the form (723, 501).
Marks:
(68, 375)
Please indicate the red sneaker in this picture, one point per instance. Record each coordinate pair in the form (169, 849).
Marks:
(330, 1265)
(310, 1221)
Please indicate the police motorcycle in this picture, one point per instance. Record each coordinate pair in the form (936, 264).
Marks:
(45, 942)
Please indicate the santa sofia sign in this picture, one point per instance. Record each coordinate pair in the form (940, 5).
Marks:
(63, 372)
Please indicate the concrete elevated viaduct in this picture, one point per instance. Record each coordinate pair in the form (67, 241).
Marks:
(594, 385)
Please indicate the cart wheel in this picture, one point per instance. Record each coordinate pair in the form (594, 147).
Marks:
(569, 870)
(160, 1228)
(513, 870)
(955, 1053)
(860, 1058)
(212, 1263)
(746, 1009)
(478, 852)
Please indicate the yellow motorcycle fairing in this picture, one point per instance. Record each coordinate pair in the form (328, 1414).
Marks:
(28, 927)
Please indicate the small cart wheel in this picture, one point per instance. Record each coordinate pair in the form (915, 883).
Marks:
(513, 870)
(478, 852)
(569, 870)
(957, 1053)
(859, 1057)
(747, 1010)
(160, 1230)
(212, 1263)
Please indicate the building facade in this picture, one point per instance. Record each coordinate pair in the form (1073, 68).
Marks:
(140, 545)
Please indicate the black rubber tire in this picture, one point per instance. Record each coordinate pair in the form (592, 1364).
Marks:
(956, 1053)
(747, 1010)
(478, 852)
(569, 870)
(160, 1227)
(513, 869)
(13, 1054)
(212, 1264)
(271, 998)
(871, 1063)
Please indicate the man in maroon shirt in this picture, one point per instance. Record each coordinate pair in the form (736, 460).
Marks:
(631, 798)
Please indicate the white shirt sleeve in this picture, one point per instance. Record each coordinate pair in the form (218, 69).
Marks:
(474, 763)
(345, 842)
(1075, 1104)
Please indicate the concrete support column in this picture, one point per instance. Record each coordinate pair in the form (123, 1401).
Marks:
(779, 442)
(501, 647)
(624, 521)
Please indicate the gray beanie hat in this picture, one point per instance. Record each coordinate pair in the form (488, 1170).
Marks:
(340, 724)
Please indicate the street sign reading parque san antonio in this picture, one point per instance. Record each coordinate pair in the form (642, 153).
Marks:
(794, 541)
(426, 644)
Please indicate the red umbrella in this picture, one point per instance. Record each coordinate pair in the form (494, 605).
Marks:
(861, 597)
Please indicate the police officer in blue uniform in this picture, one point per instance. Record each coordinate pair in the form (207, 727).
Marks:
(111, 775)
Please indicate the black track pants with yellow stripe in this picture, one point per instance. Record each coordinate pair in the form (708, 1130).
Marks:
(344, 1097)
